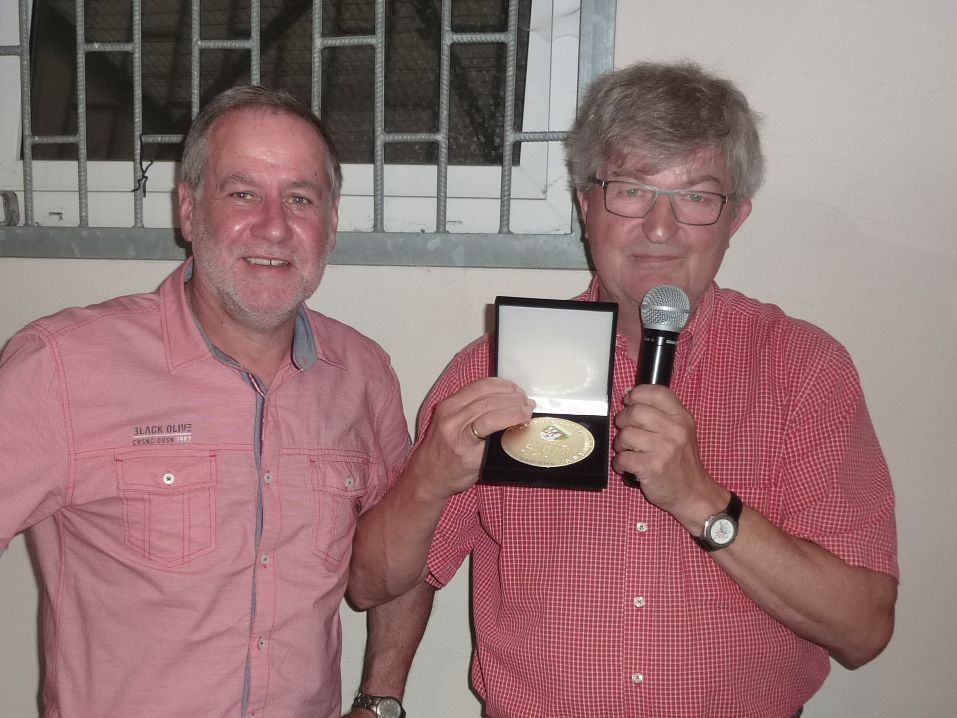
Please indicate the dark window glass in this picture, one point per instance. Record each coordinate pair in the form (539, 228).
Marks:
(411, 73)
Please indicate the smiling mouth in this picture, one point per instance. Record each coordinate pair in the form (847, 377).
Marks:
(263, 262)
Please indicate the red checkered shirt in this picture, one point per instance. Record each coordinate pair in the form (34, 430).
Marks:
(600, 604)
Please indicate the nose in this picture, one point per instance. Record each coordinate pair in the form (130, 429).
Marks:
(272, 222)
(660, 223)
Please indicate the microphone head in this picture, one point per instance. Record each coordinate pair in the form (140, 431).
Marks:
(665, 308)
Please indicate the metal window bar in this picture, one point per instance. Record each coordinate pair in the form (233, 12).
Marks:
(504, 249)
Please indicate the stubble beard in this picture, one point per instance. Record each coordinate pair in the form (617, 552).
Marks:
(215, 272)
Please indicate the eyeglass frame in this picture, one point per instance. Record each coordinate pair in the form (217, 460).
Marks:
(669, 193)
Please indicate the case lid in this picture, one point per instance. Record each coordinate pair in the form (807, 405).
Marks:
(559, 351)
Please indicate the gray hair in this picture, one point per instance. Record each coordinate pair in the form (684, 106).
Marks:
(196, 146)
(666, 112)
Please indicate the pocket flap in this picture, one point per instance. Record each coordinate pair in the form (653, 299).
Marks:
(341, 473)
(161, 471)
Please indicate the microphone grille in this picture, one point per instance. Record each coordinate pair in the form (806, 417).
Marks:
(665, 308)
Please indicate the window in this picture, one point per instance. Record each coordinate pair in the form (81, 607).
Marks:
(374, 69)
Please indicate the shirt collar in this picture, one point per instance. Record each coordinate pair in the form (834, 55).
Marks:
(186, 341)
(692, 341)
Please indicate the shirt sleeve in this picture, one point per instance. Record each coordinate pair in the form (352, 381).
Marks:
(837, 487)
(34, 434)
(455, 534)
(392, 434)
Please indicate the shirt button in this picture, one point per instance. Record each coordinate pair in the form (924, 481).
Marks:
(264, 559)
(637, 677)
(639, 601)
(261, 643)
(267, 478)
(168, 479)
(641, 527)
(350, 482)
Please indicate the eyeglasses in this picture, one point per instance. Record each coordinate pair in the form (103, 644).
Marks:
(690, 206)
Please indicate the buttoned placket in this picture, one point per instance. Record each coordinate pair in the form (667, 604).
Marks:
(640, 535)
(647, 612)
(263, 602)
(640, 552)
(256, 645)
(257, 656)
(641, 527)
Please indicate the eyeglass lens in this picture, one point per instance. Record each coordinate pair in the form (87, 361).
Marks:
(689, 206)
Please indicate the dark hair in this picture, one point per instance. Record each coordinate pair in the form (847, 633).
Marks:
(196, 146)
(666, 112)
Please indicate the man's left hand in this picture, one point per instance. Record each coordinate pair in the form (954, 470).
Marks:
(657, 443)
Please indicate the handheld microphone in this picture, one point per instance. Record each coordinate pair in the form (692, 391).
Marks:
(664, 313)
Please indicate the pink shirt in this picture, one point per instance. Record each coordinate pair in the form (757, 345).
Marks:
(182, 574)
(599, 604)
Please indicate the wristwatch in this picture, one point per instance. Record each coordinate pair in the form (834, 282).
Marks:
(720, 530)
(382, 706)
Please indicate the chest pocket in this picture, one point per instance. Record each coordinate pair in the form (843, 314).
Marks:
(169, 505)
(339, 481)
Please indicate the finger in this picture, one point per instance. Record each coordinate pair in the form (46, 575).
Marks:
(630, 462)
(480, 388)
(639, 416)
(625, 440)
(499, 413)
(655, 395)
(465, 405)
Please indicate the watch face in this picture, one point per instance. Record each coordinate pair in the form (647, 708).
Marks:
(721, 531)
(389, 708)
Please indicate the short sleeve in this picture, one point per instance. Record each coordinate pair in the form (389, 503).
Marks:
(392, 434)
(34, 434)
(456, 531)
(836, 483)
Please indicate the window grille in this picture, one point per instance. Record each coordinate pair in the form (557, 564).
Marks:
(409, 195)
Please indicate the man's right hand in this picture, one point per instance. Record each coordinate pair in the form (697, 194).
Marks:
(449, 457)
(392, 541)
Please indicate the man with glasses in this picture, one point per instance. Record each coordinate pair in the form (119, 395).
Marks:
(618, 603)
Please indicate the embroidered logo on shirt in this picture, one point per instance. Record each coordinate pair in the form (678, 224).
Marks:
(162, 434)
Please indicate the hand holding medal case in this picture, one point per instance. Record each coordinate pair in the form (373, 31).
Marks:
(561, 353)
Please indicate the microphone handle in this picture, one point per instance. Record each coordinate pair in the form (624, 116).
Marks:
(656, 359)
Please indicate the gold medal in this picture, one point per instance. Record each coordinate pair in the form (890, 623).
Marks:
(547, 442)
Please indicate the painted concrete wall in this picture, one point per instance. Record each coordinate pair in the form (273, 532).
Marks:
(853, 231)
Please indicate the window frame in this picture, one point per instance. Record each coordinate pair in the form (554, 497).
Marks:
(538, 183)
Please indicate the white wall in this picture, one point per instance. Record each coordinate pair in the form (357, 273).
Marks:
(850, 232)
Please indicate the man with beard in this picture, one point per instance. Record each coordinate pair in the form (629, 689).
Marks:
(191, 462)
